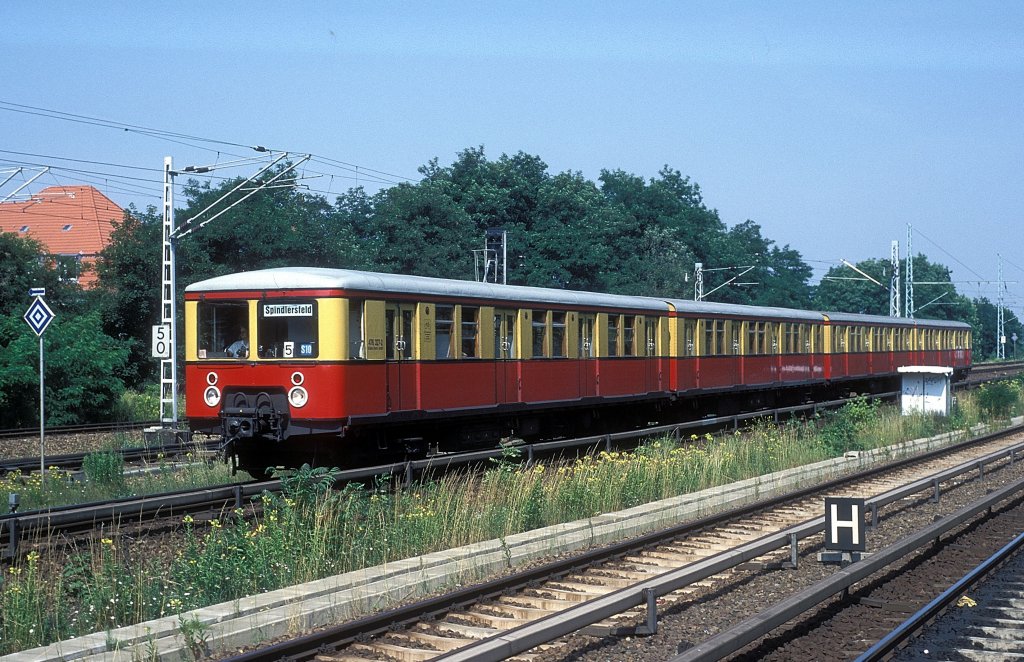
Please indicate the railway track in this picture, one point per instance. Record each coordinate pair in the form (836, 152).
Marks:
(985, 372)
(619, 590)
(897, 580)
(73, 462)
(980, 616)
(84, 428)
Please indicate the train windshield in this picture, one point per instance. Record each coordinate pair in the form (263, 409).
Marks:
(223, 329)
(288, 330)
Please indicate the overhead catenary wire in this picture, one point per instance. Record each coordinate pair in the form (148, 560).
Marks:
(381, 176)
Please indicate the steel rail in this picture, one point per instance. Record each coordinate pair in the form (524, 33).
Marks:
(69, 518)
(753, 628)
(77, 429)
(910, 627)
(308, 646)
(74, 461)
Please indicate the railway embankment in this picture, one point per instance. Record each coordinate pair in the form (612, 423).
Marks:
(248, 621)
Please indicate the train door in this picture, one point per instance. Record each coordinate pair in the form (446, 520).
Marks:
(506, 377)
(587, 365)
(401, 379)
(652, 362)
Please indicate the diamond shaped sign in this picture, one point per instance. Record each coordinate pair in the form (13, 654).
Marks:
(39, 316)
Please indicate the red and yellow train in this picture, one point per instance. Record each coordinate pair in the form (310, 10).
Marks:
(332, 367)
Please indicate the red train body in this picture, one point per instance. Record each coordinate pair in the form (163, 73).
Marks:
(345, 366)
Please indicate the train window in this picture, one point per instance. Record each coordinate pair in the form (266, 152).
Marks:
(714, 337)
(444, 337)
(792, 338)
(398, 332)
(856, 339)
(540, 327)
(505, 334)
(752, 338)
(558, 337)
(650, 337)
(287, 330)
(586, 339)
(734, 337)
(613, 335)
(628, 335)
(838, 339)
(469, 326)
(356, 349)
(221, 325)
(689, 347)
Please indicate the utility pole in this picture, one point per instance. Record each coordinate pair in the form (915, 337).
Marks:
(168, 365)
(894, 280)
(910, 272)
(698, 281)
(1000, 321)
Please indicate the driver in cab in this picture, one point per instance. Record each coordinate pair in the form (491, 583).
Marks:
(240, 348)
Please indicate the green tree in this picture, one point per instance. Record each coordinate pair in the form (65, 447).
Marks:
(985, 330)
(844, 290)
(128, 288)
(571, 239)
(24, 265)
(83, 371)
(421, 230)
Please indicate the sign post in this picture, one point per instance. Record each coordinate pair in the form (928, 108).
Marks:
(38, 316)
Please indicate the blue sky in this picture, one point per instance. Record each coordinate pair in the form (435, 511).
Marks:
(832, 126)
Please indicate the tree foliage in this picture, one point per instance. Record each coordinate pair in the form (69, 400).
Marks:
(84, 369)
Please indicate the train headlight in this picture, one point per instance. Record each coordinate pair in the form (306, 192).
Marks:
(297, 378)
(211, 396)
(211, 378)
(298, 397)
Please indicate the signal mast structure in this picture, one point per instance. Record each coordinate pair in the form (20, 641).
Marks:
(168, 279)
(490, 264)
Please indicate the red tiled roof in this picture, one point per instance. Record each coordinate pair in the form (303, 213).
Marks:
(67, 220)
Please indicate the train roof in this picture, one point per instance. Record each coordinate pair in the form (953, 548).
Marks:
(316, 278)
(287, 278)
(712, 308)
(855, 318)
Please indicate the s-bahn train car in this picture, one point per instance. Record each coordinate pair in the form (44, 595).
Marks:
(336, 367)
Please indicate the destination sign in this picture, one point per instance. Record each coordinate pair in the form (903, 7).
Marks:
(287, 310)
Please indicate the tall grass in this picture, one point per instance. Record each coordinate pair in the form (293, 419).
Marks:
(310, 530)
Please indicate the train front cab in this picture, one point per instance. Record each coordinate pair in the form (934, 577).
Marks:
(284, 385)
